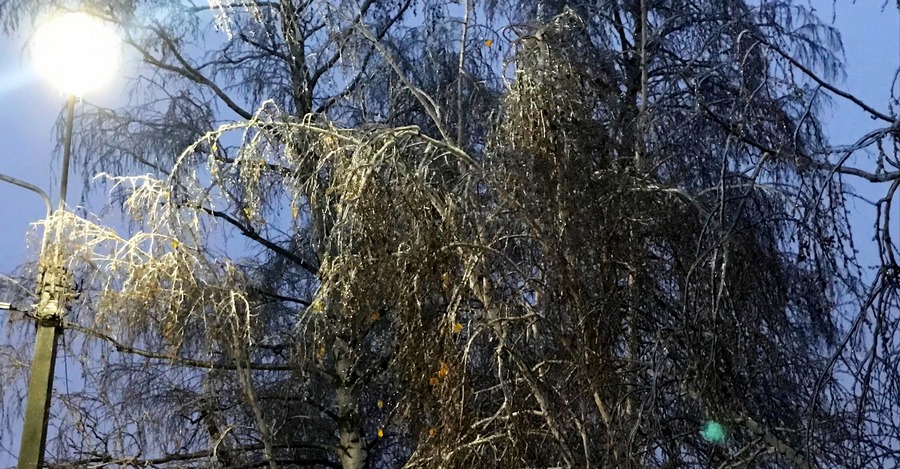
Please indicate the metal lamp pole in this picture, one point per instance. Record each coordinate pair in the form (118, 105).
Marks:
(54, 290)
(76, 52)
(67, 151)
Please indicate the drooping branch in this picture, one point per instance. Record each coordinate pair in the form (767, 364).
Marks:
(184, 69)
(249, 232)
(103, 460)
(825, 84)
(171, 359)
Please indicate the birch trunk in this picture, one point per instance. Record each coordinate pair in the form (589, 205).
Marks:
(352, 449)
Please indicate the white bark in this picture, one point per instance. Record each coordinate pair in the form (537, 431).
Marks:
(352, 450)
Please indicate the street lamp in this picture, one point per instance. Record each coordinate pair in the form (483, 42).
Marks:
(77, 53)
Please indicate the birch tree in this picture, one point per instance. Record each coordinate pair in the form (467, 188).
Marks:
(439, 234)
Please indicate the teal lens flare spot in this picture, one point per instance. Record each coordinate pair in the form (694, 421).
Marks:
(713, 432)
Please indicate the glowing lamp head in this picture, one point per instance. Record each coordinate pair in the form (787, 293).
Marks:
(76, 52)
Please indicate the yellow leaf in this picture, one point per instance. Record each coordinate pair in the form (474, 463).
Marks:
(432, 431)
(488, 43)
(445, 281)
(375, 316)
(294, 211)
(320, 353)
(380, 433)
(433, 381)
(380, 404)
(457, 328)
(174, 244)
(444, 370)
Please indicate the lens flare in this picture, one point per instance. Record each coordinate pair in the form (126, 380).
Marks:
(713, 432)
(76, 52)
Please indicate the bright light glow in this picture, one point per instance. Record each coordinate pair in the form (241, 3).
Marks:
(76, 52)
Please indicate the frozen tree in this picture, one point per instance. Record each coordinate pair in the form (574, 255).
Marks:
(421, 233)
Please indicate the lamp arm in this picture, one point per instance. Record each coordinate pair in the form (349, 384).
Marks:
(37, 190)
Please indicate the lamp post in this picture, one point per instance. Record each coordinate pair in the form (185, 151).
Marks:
(77, 53)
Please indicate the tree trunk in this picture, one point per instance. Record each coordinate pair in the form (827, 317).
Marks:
(352, 449)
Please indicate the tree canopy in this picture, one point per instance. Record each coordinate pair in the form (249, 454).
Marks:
(423, 233)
